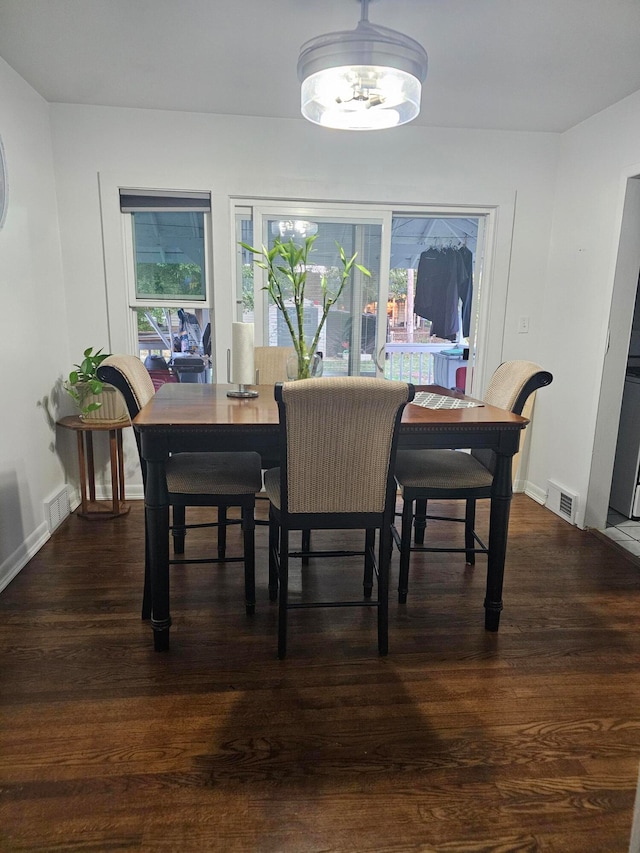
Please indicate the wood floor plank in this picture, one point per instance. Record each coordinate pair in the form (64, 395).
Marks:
(459, 741)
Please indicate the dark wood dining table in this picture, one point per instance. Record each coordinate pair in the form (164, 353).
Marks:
(198, 417)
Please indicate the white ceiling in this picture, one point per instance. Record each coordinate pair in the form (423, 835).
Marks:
(504, 64)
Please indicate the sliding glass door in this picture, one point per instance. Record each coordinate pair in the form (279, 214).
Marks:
(421, 314)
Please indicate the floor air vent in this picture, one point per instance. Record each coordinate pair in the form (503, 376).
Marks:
(561, 501)
(57, 509)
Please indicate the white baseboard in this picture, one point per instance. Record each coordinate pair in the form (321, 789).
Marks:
(23, 553)
(135, 493)
(132, 493)
(535, 493)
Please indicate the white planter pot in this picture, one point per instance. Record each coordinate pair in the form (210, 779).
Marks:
(113, 408)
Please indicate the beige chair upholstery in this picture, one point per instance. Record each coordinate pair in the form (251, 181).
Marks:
(271, 364)
(338, 444)
(219, 480)
(424, 475)
(138, 380)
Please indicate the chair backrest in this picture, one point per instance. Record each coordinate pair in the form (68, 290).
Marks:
(512, 387)
(131, 378)
(512, 384)
(271, 364)
(338, 443)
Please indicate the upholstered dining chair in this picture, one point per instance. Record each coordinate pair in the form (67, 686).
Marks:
(219, 480)
(271, 364)
(424, 475)
(338, 441)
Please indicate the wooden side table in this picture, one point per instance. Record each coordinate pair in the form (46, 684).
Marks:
(89, 506)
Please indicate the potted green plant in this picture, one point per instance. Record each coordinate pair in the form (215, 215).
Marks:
(286, 265)
(95, 399)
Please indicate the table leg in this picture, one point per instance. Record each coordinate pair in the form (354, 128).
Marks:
(82, 471)
(498, 530)
(121, 496)
(157, 531)
(115, 489)
(91, 467)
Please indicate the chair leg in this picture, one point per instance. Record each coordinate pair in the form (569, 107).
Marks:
(306, 545)
(179, 529)
(284, 593)
(384, 562)
(469, 527)
(222, 532)
(405, 550)
(274, 547)
(420, 521)
(248, 530)
(369, 555)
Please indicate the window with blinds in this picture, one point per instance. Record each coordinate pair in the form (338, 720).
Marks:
(168, 243)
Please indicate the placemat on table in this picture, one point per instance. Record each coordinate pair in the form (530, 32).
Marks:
(438, 401)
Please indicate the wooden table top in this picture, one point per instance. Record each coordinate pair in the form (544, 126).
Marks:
(195, 404)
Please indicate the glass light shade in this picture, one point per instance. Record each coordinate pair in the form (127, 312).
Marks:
(379, 120)
(360, 97)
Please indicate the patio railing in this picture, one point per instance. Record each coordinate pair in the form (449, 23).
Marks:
(412, 362)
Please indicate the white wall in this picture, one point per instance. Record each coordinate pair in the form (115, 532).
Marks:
(238, 156)
(34, 335)
(597, 157)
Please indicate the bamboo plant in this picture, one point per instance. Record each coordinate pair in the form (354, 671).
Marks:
(286, 265)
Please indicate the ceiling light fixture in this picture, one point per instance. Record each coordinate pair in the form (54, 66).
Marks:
(363, 79)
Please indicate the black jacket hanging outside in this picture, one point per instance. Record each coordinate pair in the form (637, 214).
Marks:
(444, 277)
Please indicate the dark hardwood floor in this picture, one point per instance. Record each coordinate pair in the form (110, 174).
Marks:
(459, 740)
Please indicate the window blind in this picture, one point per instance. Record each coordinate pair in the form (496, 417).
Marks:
(149, 201)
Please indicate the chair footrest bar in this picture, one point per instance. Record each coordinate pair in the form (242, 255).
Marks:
(443, 518)
(434, 550)
(432, 517)
(207, 560)
(209, 524)
(366, 602)
(326, 553)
